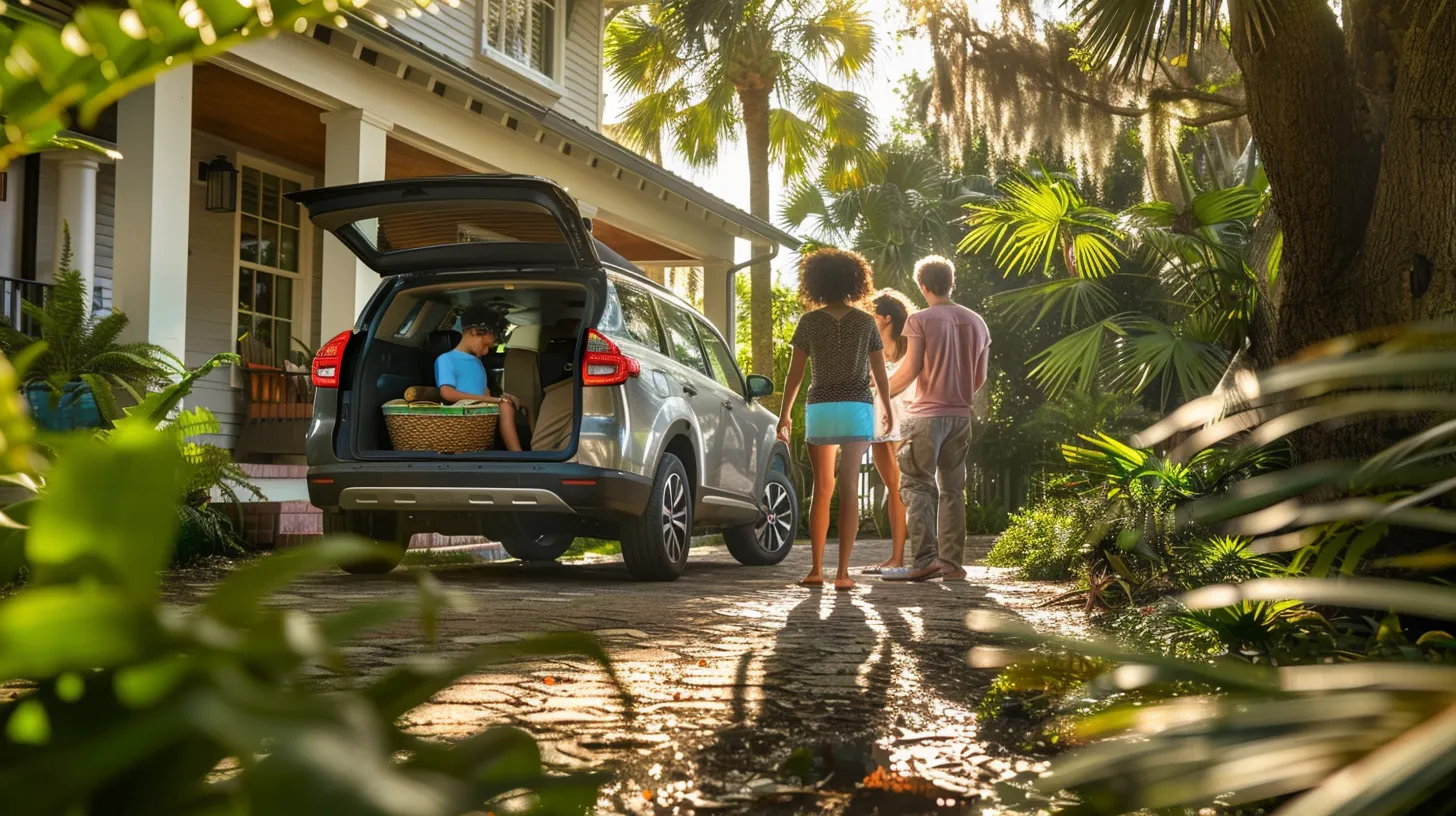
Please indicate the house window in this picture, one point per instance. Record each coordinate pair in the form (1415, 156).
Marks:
(524, 31)
(270, 253)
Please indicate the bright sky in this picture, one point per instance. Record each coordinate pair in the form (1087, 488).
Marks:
(897, 57)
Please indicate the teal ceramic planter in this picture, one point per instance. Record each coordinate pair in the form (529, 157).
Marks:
(75, 410)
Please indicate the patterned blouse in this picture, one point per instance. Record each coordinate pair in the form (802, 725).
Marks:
(839, 354)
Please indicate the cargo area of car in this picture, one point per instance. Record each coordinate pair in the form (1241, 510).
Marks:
(537, 361)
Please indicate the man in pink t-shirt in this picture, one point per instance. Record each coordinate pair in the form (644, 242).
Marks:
(946, 356)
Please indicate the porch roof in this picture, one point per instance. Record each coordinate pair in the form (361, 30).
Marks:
(572, 131)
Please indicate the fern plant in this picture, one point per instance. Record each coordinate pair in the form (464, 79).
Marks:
(80, 347)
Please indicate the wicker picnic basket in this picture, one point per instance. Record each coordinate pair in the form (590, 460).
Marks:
(430, 426)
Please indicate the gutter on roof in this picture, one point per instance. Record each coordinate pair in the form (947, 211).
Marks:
(596, 142)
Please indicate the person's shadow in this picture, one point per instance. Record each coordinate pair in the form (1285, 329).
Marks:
(822, 696)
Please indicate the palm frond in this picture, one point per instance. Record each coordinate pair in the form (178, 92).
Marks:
(701, 128)
(840, 35)
(1077, 359)
(1076, 300)
(1129, 34)
(793, 142)
(642, 54)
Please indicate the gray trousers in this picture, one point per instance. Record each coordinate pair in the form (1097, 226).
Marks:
(933, 484)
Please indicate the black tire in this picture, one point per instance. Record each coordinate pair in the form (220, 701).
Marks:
(768, 541)
(655, 547)
(547, 547)
(383, 527)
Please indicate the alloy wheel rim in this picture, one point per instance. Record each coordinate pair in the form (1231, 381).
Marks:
(675, 518)
(775, 528)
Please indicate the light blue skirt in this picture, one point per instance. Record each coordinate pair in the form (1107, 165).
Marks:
(835, 423)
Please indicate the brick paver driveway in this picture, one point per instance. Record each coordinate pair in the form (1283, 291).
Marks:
(745, 685)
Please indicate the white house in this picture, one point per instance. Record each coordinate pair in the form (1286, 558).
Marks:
(486, 86)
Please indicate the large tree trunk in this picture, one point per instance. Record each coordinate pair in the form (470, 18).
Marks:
(1305, 112)
(1363, 173)
(755, 103)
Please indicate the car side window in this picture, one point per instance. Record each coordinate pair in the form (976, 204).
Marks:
(637, 319)
(725, 370)
(682, 337)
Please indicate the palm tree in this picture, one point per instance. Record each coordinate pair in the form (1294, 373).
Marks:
(702, 71)
(1172, 316)
(907, 207)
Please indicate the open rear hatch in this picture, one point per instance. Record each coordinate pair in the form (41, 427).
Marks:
(454, 222)
(444, 243)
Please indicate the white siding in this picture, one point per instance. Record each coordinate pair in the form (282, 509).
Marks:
(452, 33)
(582, 73)
(210, 297)
(105, 231)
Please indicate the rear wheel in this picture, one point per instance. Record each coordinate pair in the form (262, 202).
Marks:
(655, 547)
(547, 547)
(769, 540)
(382, 527)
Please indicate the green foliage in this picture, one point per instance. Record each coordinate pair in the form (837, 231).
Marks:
(78, 347)
(907, 207)
(106, 52)
(1342, 688)
(1045, 541)
(130, 705)
(202, 533)
(986, 518)
(1153, 300)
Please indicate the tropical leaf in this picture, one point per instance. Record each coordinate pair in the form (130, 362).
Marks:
(1077, 359)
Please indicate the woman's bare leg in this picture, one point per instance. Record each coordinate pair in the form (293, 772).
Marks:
(506, 425)
(821, 458)
(851, 455)
(884, 453)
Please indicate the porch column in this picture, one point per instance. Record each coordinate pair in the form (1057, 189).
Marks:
(718, 297)
(353, 152)
(153, 201)
(76, 213)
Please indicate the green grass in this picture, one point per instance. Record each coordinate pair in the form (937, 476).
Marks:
(427, 559)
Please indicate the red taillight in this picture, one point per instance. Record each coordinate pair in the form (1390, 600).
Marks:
(329, 359)
(604, 363)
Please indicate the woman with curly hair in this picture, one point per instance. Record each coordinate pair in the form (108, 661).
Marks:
(891, 310)
(844, 346)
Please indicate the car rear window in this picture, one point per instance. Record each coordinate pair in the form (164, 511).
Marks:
(425, 225)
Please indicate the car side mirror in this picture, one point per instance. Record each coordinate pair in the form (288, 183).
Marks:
(759, 386)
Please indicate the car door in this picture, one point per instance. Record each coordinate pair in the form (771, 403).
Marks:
(739, 441)
(695, 381)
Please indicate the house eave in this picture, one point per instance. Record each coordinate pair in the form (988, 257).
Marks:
(572, 131)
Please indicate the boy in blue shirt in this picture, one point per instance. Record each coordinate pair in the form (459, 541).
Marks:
(460, 375)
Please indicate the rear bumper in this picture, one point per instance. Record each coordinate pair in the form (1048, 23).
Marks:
(507, 487)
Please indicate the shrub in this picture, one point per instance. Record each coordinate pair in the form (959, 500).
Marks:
(1042, 542)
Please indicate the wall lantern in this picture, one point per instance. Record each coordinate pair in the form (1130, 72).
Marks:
(222, 184)
(4, 184)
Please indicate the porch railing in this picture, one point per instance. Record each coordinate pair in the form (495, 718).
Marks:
(15, 291)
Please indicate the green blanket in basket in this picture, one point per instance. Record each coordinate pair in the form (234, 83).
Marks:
(401, 408)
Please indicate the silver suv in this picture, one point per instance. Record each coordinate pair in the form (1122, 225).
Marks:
(638, 424)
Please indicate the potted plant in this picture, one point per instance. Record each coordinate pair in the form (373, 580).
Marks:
(71, 381)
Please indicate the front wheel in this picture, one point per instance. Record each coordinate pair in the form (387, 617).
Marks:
(655, 547)
(383, 527)
(547, 547)
(767, 541)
